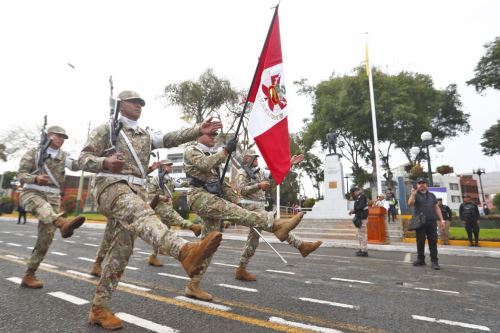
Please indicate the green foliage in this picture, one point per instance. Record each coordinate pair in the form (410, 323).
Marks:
(487, 71)
(8, 176)
(309, 202)
(416, 171)
(444, 169)
(496, 202)
(3, 153)
(6, 200)
(311, 165)
(491, 140)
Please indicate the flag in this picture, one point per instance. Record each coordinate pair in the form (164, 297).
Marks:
(367, 62)
(268, 121)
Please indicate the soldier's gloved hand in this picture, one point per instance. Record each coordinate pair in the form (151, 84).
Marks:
(114, 163)
(42, 179)
(231, 145)
(264, 185)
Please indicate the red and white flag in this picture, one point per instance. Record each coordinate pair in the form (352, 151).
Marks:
(268, 122)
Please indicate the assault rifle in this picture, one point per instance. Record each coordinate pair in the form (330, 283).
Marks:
(115, 126)
(44, 144)
(249, 168)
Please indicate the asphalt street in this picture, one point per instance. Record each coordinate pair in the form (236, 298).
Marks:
(329, 291)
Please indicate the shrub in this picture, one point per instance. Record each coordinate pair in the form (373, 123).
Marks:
(308, 203)
(496, 202)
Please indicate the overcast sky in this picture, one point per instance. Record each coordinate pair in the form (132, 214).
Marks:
(148, 44)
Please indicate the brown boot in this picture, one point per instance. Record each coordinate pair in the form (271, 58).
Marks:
(193, 290)
(96, 268)
(105, 318)
(308, 247)
(154, 261)
(30, 281)
(196, 228)
(193, 254)
(282, 227)
(67, 227)
(244, 275)
(154, 202)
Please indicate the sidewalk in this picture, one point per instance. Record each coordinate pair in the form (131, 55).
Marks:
(490, 252)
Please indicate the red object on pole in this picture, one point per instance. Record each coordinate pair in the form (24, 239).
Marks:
(376, 225)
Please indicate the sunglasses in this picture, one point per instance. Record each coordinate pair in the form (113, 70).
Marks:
(422, 183)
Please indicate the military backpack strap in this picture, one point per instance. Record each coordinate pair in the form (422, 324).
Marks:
(134, 154)
(51, 176)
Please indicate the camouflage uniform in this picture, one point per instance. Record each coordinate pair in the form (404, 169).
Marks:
(253, 198)
(122, 199)
(43, 201)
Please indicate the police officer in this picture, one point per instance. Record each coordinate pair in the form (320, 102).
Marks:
(469, 214)
(41, 195)
(253, 184)
(120, 193)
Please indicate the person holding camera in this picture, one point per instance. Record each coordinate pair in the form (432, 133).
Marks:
(360, 212)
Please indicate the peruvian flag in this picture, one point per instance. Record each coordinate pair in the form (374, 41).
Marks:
(268, 122)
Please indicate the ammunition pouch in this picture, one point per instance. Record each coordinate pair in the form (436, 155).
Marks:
(212, 186)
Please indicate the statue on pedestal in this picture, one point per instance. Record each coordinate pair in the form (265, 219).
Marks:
(331, 139)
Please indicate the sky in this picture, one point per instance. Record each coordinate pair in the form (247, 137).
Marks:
(146, 45)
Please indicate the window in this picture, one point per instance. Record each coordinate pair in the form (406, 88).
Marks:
(455, 198)
(454, 186)
(177, 169)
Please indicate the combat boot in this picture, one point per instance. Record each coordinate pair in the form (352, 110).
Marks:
(308, 247)
(196, 228)
(193, 255)
(30, 281)
(96, 268)
(193, 290)
(282, 227)
(154, 261)
(242, 274)
(67, 227)
(105, 318)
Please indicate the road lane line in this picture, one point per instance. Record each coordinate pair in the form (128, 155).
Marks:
(88, 244)
(439, 290)
(136, 249)
(6, 232)
(13, 257)
(1, 241)
(68, 298)
(340, 305)
(304, 326)
(34, 236)
(132, 268)
(69, 241)
(174, 276)
(142, 252)
(450, 322)
(279, 272)
(147, 324)
(30, 247)
(407, 257)
(81, 274)
(58, 253)
(48, 265)
(13, 244)
(19, 234)
(348, 280)
(202, 303)
(132, 286)
(15, 280)
(86, 259)
(222, 264)
(237, 287)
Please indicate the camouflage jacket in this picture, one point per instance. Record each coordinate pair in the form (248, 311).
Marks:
(142, 140)
(249, 188)
(154, 186)
(56, 165)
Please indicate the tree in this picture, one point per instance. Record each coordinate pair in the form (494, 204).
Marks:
(491, 140)
(487, 71)
(3, 153)
(444, 169)
(8, 176)
(17, 140)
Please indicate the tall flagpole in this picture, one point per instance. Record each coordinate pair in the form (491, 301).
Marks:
(374, 122)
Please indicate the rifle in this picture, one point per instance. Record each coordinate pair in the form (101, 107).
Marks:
(115, 126)
(248, 168)
(44, 144)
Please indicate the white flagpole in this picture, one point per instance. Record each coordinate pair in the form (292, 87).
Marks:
(278, 201)
(374, 121)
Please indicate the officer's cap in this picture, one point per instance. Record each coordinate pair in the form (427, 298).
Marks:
(354, 189)
(250, 152)
(128, 95)
(166, 162)
(422, 180)
(57, 130)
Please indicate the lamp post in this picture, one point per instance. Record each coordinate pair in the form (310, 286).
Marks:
(480, 172)
(427, 141)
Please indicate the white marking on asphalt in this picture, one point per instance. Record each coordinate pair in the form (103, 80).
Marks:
(88, 244)
(15, 280)
(145, 323)
(136, 249)
(439, 290)
(142, 252)
(175, 265)
(132, 286)
(58, 253)
(6, 232)
(92, 238)
(34, 236)
(202, 303)
(75, 236)
(237, 287)
(132, 268)
(13, 257)
(86, 259)
(304, 326)
(19, 234)
(48, 265)
(280, 272)
(452, 323)
(222, 264)
(68, 297)
(348, 280)
(174, 276)
(81, 274)
(69, 241)
(307, 282)
(30, 247)
(13, 244)
(1, 241)
(340, 305)
(407, 257)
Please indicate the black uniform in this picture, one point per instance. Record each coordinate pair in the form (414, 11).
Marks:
(425, 203)
(470, 214)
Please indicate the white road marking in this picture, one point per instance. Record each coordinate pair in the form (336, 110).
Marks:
(202, 303)
(280, 272)
(142, 252)
(69, 241)
(92, 238)
(13, 244)
(133, 286)
(81, 274)
(6, 232)
(88, 244)
(30, 247)
(34, 236)
(58, 253)
(13, 257)
(307, 282)
(76, 236)
(407, 257)
(86, 259)
(175, 265)
(1, 241)
(132, 268)
(19, 234)
(452, 323)
(137, 249)
(15, 280)
(145, 323)
(222, 264)
(175, 276)
(68, 297)
(340, 305)
(304, 326)
(439, 290)
(48, 265)
(348, 280)
(237, 287)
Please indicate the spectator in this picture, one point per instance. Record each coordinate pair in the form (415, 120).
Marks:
(425, 203)
(360, 210)
(469, 214)
(444, 232)
(381, 202)
(22, 213)
(391, 212)
(486, 209)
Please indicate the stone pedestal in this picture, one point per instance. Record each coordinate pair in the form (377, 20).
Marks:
(334, 205)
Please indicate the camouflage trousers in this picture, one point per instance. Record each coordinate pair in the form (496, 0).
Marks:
(362, 236)
(253, 238)
(129, 216)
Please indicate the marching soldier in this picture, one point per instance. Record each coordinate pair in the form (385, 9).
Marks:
(215, 203)
(252, 184)
(119, 191)
(41, 195)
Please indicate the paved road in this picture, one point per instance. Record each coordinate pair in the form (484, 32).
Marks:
(330, 291)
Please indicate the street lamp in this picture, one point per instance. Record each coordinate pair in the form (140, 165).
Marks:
(427, 141)
(480, 172)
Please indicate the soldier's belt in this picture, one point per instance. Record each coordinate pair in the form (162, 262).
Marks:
(129, 178)
(42, 188)
(252, 202)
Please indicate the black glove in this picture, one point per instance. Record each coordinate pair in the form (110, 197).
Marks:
(231, 145)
